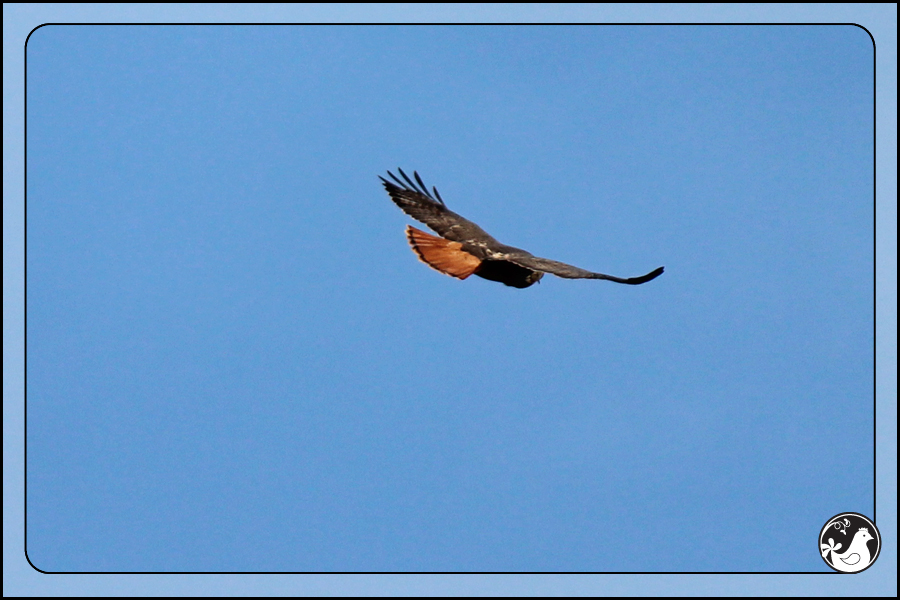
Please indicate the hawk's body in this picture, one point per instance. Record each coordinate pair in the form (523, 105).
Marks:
(465, 248)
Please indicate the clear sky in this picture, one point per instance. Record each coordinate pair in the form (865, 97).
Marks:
(235, 362)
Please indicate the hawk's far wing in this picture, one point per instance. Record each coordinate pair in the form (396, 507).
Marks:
(418, 203)
(569, 272)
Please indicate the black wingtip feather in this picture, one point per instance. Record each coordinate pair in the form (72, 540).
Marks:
(419, 179)
(441, 200)
(394, 177)
(410, 186)
(645, 278)
(408, 180)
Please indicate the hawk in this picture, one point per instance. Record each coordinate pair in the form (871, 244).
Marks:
(464, 248)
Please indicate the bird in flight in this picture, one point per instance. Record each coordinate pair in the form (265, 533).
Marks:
(464, 248)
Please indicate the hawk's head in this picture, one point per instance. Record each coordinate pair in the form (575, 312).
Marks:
(535, 277)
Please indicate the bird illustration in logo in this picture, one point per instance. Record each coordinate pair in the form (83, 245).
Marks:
(464, 248)
(853, 559)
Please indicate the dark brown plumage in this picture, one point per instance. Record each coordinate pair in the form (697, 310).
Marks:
(465, 248)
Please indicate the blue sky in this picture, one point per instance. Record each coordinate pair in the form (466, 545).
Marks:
(235, 363)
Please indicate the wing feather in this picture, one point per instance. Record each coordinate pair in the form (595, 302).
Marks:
(431, 210)
(569, 272)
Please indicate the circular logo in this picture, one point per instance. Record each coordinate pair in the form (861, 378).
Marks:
(849, 542)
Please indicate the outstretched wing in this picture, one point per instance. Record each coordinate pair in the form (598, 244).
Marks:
(569, 272)
(417, 202)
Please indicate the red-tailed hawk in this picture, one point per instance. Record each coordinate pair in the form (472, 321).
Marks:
(465, 248)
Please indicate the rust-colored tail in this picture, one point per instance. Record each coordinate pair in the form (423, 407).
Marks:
(440, 254)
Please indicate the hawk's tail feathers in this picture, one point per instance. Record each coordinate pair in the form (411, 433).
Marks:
(440, 254)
